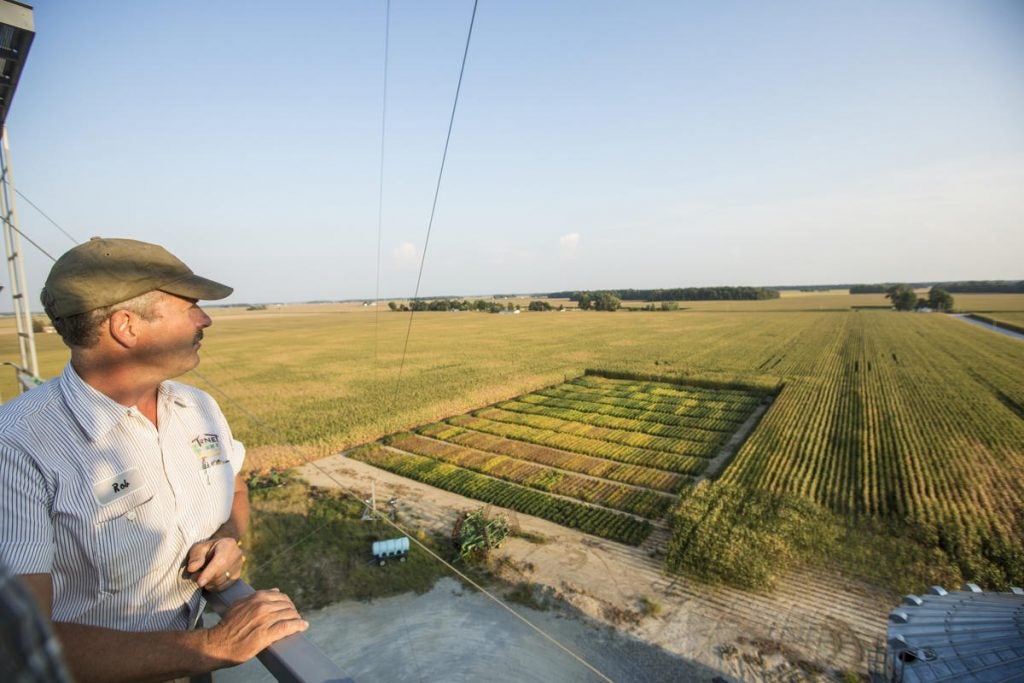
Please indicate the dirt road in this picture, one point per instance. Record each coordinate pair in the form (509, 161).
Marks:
(814, 620)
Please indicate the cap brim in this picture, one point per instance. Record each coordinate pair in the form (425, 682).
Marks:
(196, 287)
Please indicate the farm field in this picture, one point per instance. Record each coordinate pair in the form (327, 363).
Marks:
(990, 302)
(906, 426)
(465, 455)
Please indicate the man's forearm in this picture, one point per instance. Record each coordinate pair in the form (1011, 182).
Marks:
(247, 628)
(102, 654)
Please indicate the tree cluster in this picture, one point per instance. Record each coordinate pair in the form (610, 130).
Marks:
(904, 298)
(598, 301)
(664, 306)
(451, 305)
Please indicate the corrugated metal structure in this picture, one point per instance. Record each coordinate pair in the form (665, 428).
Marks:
(966, 635)
(16, 32)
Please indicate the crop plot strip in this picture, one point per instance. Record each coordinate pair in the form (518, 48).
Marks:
(663, 412)
(566, 410)
(637, 419)
(681, 404)
(631, 499)
(589, 519)
(636, 475)
(626, 447)
(666, 390)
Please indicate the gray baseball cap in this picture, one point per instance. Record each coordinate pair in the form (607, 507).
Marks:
(106, 270)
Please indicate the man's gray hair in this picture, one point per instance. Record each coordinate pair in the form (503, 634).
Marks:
(82, 330)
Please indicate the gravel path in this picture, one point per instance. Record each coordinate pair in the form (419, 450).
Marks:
(812, 616)
(989, 326)
(453, 634)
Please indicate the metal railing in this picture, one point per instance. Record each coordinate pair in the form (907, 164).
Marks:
(26, 380)
(294, 659)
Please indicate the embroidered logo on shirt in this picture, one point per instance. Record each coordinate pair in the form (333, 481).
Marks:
(106, 491)
(207, 448)
(206, 445)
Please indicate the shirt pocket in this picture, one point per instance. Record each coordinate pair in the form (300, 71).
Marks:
(218, 479)
(128, 541)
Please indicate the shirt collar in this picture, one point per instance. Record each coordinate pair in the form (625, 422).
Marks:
(97, 413)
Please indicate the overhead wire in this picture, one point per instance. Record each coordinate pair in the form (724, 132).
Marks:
(380, 180)
(44, 215)
(380, 233)
(32, 242)
(433, 206)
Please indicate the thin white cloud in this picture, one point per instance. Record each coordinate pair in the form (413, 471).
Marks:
(405, 255)
(569, 243)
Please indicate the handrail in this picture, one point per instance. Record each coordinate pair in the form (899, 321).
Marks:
(294, 659)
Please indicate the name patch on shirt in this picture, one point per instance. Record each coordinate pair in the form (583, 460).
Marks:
(207, 448)
(106, 491)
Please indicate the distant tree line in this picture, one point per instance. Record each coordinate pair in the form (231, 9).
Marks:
(984, 287)
(964, 287)
(870, 289)
(482, 305)
(677, 294)
(451, 305)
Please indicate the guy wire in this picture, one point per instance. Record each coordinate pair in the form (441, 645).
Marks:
(32, 242)
(380, 230)
(380, 183)
(43, 214)
(433, 206)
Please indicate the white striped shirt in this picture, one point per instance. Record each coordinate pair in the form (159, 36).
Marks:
(107, 504)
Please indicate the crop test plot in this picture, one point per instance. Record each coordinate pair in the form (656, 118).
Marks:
(603, 455)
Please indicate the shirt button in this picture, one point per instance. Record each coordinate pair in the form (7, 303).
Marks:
(130, 516)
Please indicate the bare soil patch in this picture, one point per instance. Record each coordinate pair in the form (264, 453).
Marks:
(815, 625)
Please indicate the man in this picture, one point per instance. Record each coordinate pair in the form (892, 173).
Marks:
(119, 490)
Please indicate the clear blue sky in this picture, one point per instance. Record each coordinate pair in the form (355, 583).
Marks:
(596, 145)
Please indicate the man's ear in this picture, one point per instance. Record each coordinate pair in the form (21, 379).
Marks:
(123, 328)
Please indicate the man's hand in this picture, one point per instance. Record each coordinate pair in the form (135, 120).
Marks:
(215, 564)
(251, 624)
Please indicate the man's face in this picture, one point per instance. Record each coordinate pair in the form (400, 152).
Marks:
(171, 338)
